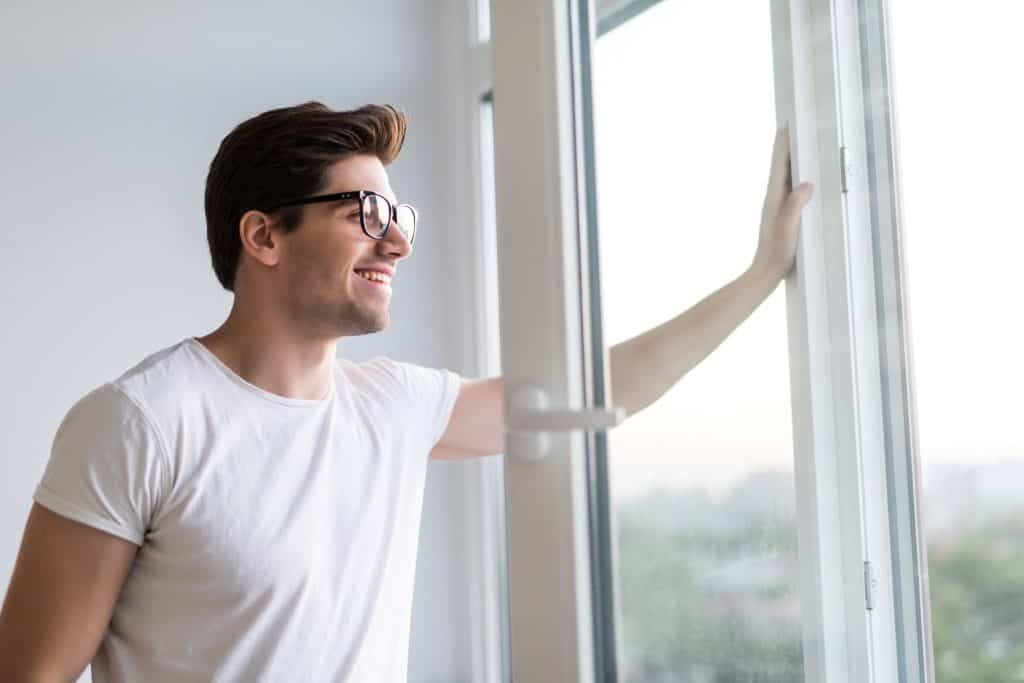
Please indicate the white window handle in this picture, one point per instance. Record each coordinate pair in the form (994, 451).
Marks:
(530, 419)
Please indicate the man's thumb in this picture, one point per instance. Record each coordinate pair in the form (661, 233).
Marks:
(796, 202)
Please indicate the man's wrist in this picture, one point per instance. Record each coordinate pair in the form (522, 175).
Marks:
(762, 278)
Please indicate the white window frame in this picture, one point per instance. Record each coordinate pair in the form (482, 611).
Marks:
(833, 365)
(855, 469)
(483, 517)
(864, 27)
(851, 257)
(537, 192)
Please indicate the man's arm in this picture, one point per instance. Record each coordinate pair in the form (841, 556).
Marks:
(62, 593)
(477, 424)
(643, 368)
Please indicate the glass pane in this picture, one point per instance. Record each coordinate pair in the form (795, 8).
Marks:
(492, 469)
(701, 481)
(960, 145)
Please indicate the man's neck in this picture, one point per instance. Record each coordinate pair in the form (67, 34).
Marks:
(276, 363)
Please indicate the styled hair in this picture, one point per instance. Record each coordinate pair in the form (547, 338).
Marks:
(283, 154)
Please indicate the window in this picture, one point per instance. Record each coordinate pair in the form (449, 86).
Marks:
(472, 110)
(705, 513)
(899, 471)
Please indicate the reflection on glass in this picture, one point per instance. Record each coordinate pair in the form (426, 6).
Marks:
(960, 144)
(702, 481)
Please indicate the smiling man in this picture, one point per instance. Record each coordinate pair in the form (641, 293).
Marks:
(245, 505)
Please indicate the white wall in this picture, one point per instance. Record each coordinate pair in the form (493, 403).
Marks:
(111, 112)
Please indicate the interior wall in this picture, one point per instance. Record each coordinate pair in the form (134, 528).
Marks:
(111, 114)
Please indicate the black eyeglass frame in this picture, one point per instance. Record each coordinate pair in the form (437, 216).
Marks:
(361, 195)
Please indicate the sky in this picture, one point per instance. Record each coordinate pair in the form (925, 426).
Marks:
(684, 110)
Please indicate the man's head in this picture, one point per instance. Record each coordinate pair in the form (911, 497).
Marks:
(305, 261)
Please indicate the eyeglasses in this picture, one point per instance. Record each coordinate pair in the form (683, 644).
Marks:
(375, 212)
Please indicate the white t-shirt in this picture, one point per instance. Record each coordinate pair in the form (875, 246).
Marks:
(278, 535)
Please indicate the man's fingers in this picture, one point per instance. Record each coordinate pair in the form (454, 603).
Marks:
(778, 179)
(797, 200)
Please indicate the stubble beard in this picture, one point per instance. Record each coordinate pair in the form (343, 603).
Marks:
(336, 314)
(356, 320)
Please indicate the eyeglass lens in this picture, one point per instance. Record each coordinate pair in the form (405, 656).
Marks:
(377, 215)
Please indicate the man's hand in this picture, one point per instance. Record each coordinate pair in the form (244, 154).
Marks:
(645, 367)
(780, 216)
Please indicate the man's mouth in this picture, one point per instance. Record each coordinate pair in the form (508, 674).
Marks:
(374, 277)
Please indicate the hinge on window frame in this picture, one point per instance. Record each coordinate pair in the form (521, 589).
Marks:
(843, 169)
(870, 583)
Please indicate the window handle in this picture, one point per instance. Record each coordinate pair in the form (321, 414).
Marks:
(531, 419)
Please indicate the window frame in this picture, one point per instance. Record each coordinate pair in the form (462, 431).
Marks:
(866, 29)
(541, 337)
(853, 414)
(831, 365)
(483, 515)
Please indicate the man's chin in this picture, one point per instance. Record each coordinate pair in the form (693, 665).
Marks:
(368, 325)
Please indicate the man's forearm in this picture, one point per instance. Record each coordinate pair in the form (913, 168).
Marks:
(643, 368)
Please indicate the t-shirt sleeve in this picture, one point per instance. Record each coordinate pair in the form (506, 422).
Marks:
(107, 467)
(429, 395)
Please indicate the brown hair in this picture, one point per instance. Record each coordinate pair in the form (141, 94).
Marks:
(283, 154)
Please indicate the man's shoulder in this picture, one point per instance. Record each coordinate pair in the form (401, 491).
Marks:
(389, 379)
(381, 369)
(159, 380)
(376, 375)
(121, 409)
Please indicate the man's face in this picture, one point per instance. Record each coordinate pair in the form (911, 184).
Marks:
(325, 259)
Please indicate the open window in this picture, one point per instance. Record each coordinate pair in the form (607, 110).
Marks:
(795, 549)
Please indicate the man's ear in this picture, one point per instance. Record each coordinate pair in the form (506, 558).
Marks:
(258, 239)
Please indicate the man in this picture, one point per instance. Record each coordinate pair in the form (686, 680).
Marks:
(245, 506)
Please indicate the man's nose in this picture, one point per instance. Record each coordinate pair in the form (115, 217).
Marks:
(395, 243)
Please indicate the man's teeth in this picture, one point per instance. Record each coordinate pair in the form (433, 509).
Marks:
(375, 276)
